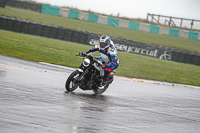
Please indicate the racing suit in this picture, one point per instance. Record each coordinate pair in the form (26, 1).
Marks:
(108, 56)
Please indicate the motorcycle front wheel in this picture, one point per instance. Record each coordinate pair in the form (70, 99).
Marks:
(71, 83)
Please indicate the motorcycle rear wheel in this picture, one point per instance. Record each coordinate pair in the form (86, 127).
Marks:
(71, 83)
(100, 91)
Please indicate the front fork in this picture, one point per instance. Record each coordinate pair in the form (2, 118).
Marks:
(82, 73)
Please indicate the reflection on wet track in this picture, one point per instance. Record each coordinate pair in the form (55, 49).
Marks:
(33, 99)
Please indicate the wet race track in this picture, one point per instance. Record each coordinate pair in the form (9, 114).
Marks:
(33, 99)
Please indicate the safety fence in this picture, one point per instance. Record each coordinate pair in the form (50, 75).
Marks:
(46, 9)
(129, 24)
(130, 46)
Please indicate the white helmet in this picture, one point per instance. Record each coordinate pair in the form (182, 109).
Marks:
(104, 42)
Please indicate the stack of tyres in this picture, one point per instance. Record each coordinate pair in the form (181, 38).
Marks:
(26, 5)
(2, 22)
(53, 32)
(9, 23)
(38, 29)
(10, 3)
(181, 57)
(60, 33)
(16, 25)
(24, 26)
(18, 4)
(46, 30)
(75, 36)
(196, 59)
(83, 36)
(31, 28)
(174, 56)
(67, 34)
(35, 7)
(93, 39)
(188, 58)
(2, 3)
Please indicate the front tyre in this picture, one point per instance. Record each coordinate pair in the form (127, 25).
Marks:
(72, 83)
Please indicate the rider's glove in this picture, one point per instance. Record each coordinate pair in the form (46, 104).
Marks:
(103, 66)
(81, 53)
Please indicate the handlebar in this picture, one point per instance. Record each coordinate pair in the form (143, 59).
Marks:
(89, 56)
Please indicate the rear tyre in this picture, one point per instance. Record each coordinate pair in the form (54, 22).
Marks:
(100, 91)
(72, 83)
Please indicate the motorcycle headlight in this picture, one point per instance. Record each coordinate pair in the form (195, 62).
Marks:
(86, 62)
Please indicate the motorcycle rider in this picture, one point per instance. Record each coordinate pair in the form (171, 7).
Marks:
(108, 56)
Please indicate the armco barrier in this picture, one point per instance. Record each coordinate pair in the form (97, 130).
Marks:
(130, 46)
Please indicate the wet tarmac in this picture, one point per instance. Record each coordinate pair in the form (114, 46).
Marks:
(33, 99)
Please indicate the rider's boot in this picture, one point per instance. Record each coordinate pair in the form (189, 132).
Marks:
(103, 83)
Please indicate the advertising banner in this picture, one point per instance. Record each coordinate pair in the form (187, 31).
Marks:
(73, 14)
(144, 27)
(154, 29)
(83, 16)
(50, 10)
(113, 21)
(183, 33)
(102, 20)
(134, 25)
(93, 18)
(173, 32)
(130, 46)
(193, 35)
(164, 30)
(64, 12)
(123, 23)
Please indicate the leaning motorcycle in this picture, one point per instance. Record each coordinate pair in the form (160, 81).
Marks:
(88, 76)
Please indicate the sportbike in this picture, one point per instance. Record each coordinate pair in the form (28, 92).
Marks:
(88, 76)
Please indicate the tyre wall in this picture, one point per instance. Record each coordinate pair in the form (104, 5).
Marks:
(24, 5)
(2, 3)
(63, 12)
(62, 33)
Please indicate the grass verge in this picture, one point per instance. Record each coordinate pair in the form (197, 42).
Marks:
(40, 49)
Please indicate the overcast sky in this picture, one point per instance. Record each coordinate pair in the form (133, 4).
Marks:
(137, 8)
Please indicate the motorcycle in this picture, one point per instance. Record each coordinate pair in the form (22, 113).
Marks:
(88, 76)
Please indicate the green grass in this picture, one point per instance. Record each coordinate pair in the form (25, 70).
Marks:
(40, 49)
(150, 38)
